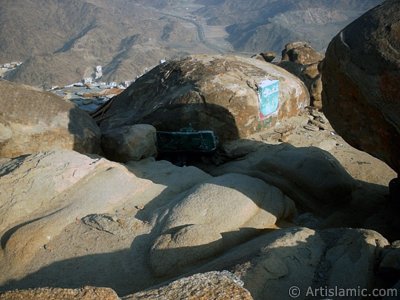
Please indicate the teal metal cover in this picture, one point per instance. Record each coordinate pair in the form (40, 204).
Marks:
(187, 140)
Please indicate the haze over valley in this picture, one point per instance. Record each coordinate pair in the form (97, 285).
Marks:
(60, 42)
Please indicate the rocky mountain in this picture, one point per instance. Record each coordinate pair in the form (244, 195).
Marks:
(61, 42)
(269, 24)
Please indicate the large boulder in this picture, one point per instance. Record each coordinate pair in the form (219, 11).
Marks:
(32, 121)
(200, 224)
(361, 89)
(208, 92)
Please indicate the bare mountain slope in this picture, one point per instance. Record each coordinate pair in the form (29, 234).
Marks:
(61, 42)
(258, 25)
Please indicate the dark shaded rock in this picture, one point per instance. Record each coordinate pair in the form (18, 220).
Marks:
(32, 121)
(268, 56)
(394, 189)
(389, 265)
(129, 143)
(361, 89)
(313, 178)
(208, 92)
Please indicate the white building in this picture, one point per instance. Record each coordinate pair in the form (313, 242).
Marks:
(87, 80)
(99, 72)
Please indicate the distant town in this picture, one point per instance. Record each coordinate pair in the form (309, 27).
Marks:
(4, 68)
(89, 93)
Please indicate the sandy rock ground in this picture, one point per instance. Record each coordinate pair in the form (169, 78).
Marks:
(164, 218)
(301, 132)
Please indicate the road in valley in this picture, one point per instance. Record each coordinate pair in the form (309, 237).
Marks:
(200, 32)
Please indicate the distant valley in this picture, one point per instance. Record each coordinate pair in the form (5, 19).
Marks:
(61, 42)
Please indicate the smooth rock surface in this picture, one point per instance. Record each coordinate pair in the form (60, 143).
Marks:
(361, 76)
(200, 224)
(313, 178)
(63, 187)
(32, 121)
(145, 223)
(208, 92)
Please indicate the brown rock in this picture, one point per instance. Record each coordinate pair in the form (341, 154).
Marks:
(302, 60)
(301, 53)
(86, 293)
(208, 92)
(361, 76)
(315, 90)
(32, 121)
(207, 286)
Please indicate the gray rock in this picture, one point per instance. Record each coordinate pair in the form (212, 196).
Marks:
(128, 143)
(102, 222)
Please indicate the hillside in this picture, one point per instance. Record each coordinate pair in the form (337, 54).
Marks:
(258, 25)
(61, 42)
